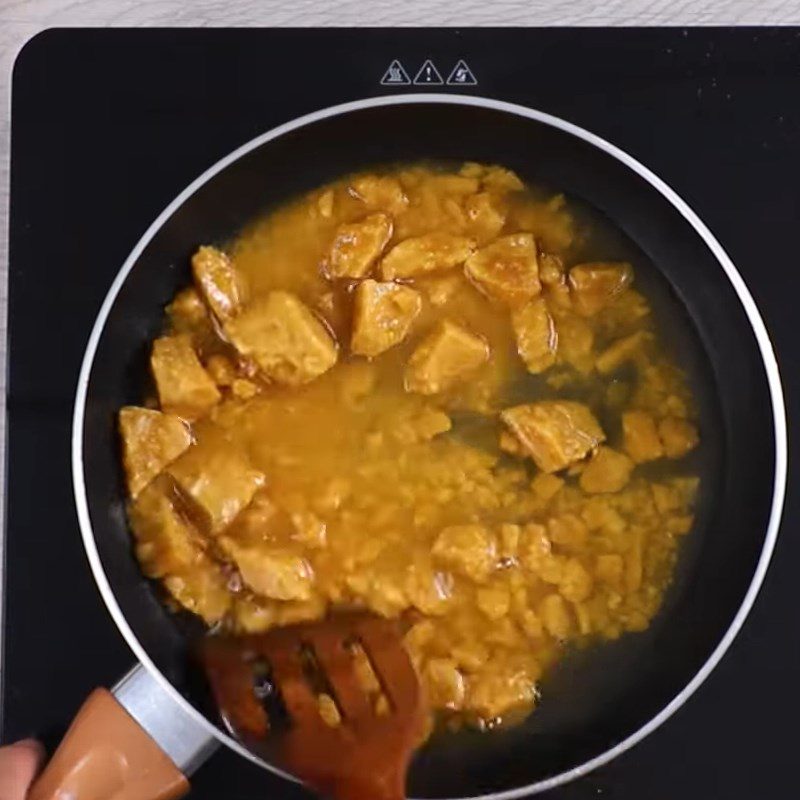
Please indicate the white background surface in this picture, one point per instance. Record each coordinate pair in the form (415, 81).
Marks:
(22, 19)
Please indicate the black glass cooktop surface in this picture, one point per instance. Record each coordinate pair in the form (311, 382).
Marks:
(109, 125)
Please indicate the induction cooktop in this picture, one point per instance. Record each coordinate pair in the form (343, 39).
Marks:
(109, 125)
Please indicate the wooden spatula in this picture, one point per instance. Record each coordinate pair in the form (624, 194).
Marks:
(267, 688)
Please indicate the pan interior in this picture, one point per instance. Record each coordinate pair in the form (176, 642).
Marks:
(600, 696)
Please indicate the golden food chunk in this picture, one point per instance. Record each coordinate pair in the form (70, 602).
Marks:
(554, 433)
(593, 286)
(485, 216)
(362, 666)
(666, 497)
(420, 255)
(382, 316)
(634, 568)
(546, 485)
(621, 351)
(202, 590)
(575, 342)
(422, 426)
(184, 387)
(576, 582)
(607, 471)
(496, 690)
(218, 481)
(610, 568)
(187, 309)
(507, 269)
(166, 542)
(568, 531)
(170, 549)
(536, 553)
(328, 710)
(290, 612)
(447, 355)
(640, 435)
(555, 616)
(218, 282)
(551, 270)
(494, 602)
(536, 335)
(244, 389)
(379, 193)
(469, 550)
(221, 370)
(309, 529)
(680, 525)
(357, 382)
(282, 335)
(679, 436)
(441, 289)
(509, 540)
(262, 520)
(444, 684)
(510, 444)
(252, 615)
(444, 184)
(325, 203)
(150, 441)
(270, 572)
(357, 246)
(500, 179)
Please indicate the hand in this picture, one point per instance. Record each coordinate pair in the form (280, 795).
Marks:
(19, 764)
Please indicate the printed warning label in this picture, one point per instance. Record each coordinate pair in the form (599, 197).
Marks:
(428, 75)
(395, 75)
(462, 75)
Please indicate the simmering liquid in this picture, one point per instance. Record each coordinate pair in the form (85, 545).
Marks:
(427, 393)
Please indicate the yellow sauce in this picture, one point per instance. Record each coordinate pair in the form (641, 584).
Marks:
(372, 484)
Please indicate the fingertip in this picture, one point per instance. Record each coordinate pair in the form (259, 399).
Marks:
(19, 765)
(32, 746)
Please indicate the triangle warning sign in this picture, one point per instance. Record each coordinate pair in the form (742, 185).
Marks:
(428, 75)
(462, 75)
(395, 75)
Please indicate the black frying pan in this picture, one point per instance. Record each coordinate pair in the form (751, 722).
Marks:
(597, 703)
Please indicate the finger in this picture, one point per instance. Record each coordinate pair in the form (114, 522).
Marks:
(19, 764)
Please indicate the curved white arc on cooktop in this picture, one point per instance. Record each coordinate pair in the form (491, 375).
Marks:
(746, 299)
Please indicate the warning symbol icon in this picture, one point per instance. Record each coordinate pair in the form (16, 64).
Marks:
(462, 75)
(395, 75)
(428, 75)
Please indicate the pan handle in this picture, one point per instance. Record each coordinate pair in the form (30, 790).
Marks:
(134, 743)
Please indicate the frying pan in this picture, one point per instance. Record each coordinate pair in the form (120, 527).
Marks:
(599, 702)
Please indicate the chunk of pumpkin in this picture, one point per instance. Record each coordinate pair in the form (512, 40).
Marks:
(382, 316)
(217, 480)
(218, 282)
(150, 441)
(535, 331)
(679, 436)
(507, 269)
(184, 387)
(640, 436)
(554, 433)
(607, 471)
(594, 285)
(432, 252)
(284, 337)
(357, 246)
(447, 355)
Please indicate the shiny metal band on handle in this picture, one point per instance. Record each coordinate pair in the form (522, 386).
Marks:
(143, 696)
